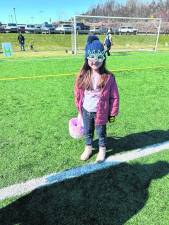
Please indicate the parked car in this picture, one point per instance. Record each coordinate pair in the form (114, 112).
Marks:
(2, 29)
(38, 29)
(47, 28)
(11, 28)
(82, 26)
(21, 28)
(95, 30)
(99, 30)
(64, 28)
(127, 30)
(103, 30)
(79, 26)
(30, 28)
(114, 30)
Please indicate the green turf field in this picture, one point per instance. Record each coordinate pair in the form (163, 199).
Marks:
(35, 112)
(37, 103)
(61, 42)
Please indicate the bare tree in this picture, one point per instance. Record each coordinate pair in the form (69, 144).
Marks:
(134, 8)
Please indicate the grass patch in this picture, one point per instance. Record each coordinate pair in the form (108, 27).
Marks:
(34, 114)
(61, 42)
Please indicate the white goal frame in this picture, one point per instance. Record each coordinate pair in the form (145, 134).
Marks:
(74, 31)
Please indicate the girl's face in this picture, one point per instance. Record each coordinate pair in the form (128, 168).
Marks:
(94, 64)
(95, 61)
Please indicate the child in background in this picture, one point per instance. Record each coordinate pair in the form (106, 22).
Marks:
(108, 42)
(96, 97)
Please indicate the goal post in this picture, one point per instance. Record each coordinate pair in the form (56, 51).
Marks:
(128, 33)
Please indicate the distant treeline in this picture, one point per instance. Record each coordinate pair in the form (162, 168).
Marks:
(132, 8)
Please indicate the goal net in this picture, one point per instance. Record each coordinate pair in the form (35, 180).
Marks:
(128, 33)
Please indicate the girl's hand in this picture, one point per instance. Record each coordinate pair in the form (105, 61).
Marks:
(111, 119)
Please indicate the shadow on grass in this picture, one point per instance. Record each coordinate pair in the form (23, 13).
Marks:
(107, 197)
(133, 141)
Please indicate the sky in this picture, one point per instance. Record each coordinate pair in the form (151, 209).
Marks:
(38, 11)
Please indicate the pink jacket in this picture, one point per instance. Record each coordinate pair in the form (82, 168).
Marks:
(108, 104)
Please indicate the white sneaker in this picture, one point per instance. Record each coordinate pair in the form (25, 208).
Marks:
(101, 155)
(87, 153)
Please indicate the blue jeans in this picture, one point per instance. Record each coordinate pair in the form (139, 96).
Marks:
(89, 127)
(22, 47)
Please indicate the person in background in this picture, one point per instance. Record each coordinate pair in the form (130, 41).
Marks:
(21, 40)
(108, 42)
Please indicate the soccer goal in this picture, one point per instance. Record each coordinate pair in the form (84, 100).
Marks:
(128, 33)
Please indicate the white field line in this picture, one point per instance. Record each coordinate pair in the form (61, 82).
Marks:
(28, 186)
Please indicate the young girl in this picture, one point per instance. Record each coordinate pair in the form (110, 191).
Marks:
(96, 97)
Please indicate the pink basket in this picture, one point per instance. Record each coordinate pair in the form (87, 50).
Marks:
(76, 129)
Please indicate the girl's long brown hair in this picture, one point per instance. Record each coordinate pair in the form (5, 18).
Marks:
(83, 79)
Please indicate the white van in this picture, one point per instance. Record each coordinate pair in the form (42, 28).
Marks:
(11, 28)
(30, 28)
(64, 28)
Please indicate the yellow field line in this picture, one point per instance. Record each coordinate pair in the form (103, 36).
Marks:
(71, 74)
(145, 68)
(35, 77)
